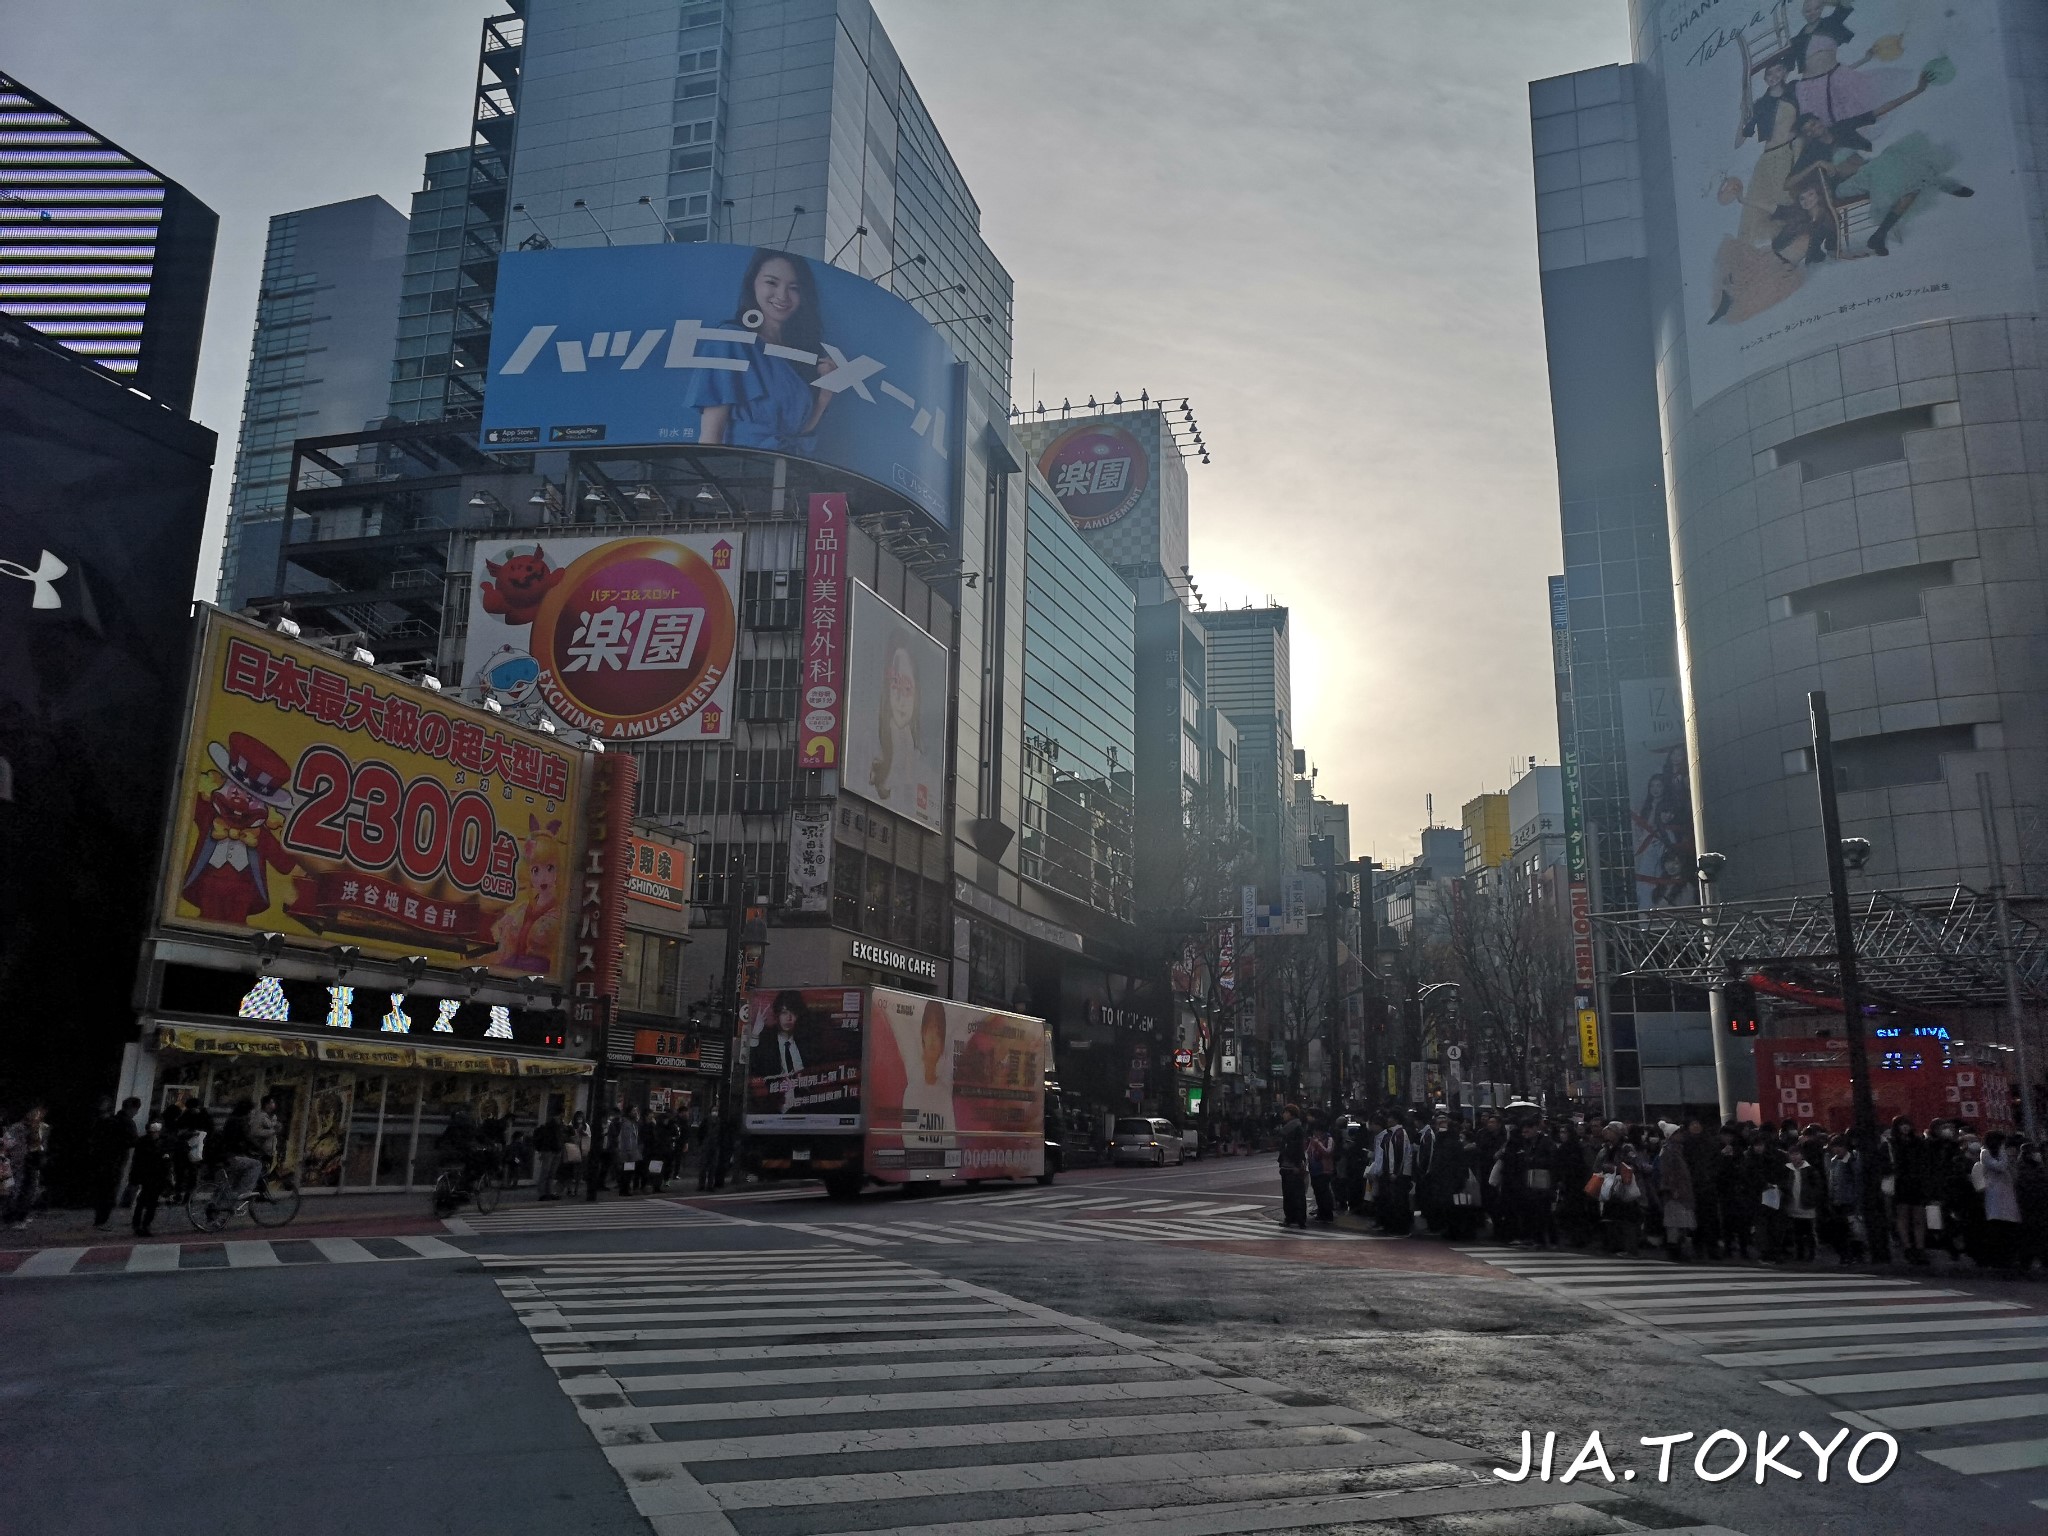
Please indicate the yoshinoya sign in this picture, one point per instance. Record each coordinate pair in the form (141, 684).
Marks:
(673, 345)
(902, 961)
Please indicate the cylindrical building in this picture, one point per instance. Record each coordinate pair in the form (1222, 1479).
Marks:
(1845, 278)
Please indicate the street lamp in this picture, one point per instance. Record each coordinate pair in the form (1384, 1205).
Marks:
(1709, 867)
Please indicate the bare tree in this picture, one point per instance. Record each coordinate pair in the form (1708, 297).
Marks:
(1512, 959)
(1216, 855)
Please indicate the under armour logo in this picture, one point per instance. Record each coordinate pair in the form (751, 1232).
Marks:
(45, 575)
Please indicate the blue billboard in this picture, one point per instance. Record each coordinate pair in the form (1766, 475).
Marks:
(653, 346)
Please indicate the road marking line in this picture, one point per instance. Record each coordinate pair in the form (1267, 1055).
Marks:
(1848, 1353)
(843, 1349)
(1659, 1317)
(1914, 1381)
(1859, 1331)
(834, 1232)
(2003, 1456)
(843, 1442)
(686, 1289)
(599, 1309)
(251, 1256)
(794, 1322)
(1969, 1410)
(153, 1258)
(50, 1261)
(632, 1424)
(825, 1375)
(433, 1248)
(1851, 1303)
(778, 1330)
(343, 1250)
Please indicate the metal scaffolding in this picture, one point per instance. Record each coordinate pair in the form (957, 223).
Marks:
(1931, 947)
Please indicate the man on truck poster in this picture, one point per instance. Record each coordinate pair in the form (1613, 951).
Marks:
(803, 1058)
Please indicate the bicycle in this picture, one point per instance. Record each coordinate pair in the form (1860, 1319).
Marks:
(481, 1189)
(209, 1209)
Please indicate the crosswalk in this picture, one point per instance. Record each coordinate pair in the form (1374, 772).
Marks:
(608, 1215)
(189, 1258)
(1057, 1217)
(1814, 1334)
(831, 1390)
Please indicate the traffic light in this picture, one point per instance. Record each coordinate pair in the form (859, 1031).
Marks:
(1742, 1010)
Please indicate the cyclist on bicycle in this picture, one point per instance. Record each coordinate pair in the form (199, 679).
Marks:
(462, 1146)
(240, 1167)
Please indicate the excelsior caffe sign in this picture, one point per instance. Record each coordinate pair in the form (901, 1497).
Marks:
(901, 961)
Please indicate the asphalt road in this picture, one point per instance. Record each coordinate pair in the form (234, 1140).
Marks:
(1133, 1351)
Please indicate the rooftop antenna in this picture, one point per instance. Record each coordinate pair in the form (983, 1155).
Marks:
(591, 214)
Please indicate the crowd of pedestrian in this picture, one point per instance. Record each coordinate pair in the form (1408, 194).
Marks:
(630, 1151)
(1738, 1192)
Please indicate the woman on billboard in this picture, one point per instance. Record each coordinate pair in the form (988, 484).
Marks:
(774, 402)
(897, 773)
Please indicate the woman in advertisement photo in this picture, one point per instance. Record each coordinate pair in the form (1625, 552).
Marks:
(774, 402)
(896, 773)
(928, 1077)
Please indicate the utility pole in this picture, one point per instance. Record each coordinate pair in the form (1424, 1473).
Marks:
(1874, 1221)
(2014, 1015)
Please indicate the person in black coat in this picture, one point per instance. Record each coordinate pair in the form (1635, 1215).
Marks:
(153, 1171)
(1293, 1169)
(108, 1143)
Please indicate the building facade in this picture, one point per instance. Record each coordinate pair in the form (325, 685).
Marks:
(100, 251)
(320, 364)
(1250, 681)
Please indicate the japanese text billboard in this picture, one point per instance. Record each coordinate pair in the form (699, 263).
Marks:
(670, 345)
(824, 634)
(337, 805)
(896, 687)
(803, 1050)
(953, 1086)
(1838, 171)
(1119, 479)
(625, 639)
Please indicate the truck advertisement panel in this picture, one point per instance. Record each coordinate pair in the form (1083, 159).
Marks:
(336, 804)
(803, 1048)
(954, 1092)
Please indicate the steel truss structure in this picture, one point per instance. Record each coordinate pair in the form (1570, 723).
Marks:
(1930, 947)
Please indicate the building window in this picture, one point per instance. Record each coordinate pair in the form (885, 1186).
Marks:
(651, 979)
(1876, 597)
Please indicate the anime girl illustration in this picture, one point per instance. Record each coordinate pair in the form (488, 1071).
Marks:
(529, 931)
(774, 402)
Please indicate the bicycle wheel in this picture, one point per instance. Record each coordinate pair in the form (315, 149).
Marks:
(446, 1197)
(204, 1209)
(275, 1208)
(484, 1193)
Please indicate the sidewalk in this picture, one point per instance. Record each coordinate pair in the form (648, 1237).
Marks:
(321, 1215)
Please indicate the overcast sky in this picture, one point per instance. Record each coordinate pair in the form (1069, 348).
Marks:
(1315, 219)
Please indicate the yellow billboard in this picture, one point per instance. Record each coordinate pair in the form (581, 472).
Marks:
(1589, 1038)
(336, 804)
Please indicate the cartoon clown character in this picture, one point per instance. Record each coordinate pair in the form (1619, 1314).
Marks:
(236, 812)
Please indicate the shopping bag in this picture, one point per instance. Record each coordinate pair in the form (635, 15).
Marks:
(654, 1165)
(1888, 1186)
(1773, 1198)
(1934, 1217)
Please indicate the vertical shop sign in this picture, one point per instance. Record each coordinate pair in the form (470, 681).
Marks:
(823, 675)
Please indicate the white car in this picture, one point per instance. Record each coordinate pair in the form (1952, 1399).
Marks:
(1152, 1142)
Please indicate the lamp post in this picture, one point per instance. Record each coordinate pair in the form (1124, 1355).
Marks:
(1845, 958)
(1709, 866)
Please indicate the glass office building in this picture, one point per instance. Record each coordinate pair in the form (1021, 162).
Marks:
(425, 344)
(1079, 722)
(319, 364)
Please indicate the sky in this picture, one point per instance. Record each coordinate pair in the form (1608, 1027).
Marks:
(1312, 217)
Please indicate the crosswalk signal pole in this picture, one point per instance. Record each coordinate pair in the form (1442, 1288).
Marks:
(1874, 1218)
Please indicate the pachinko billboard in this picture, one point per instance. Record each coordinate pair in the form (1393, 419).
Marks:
(953, 1087)
(625, 639)
(336, 804)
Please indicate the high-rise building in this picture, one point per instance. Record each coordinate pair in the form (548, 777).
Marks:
(1249, 680)
(1484, 819)
(100, 251)
(1536, 843)
(1835, 361)
(320, 364)
(424, 353)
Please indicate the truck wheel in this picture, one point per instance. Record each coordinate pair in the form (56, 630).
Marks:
(843, 1184)
(1048, 1176)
